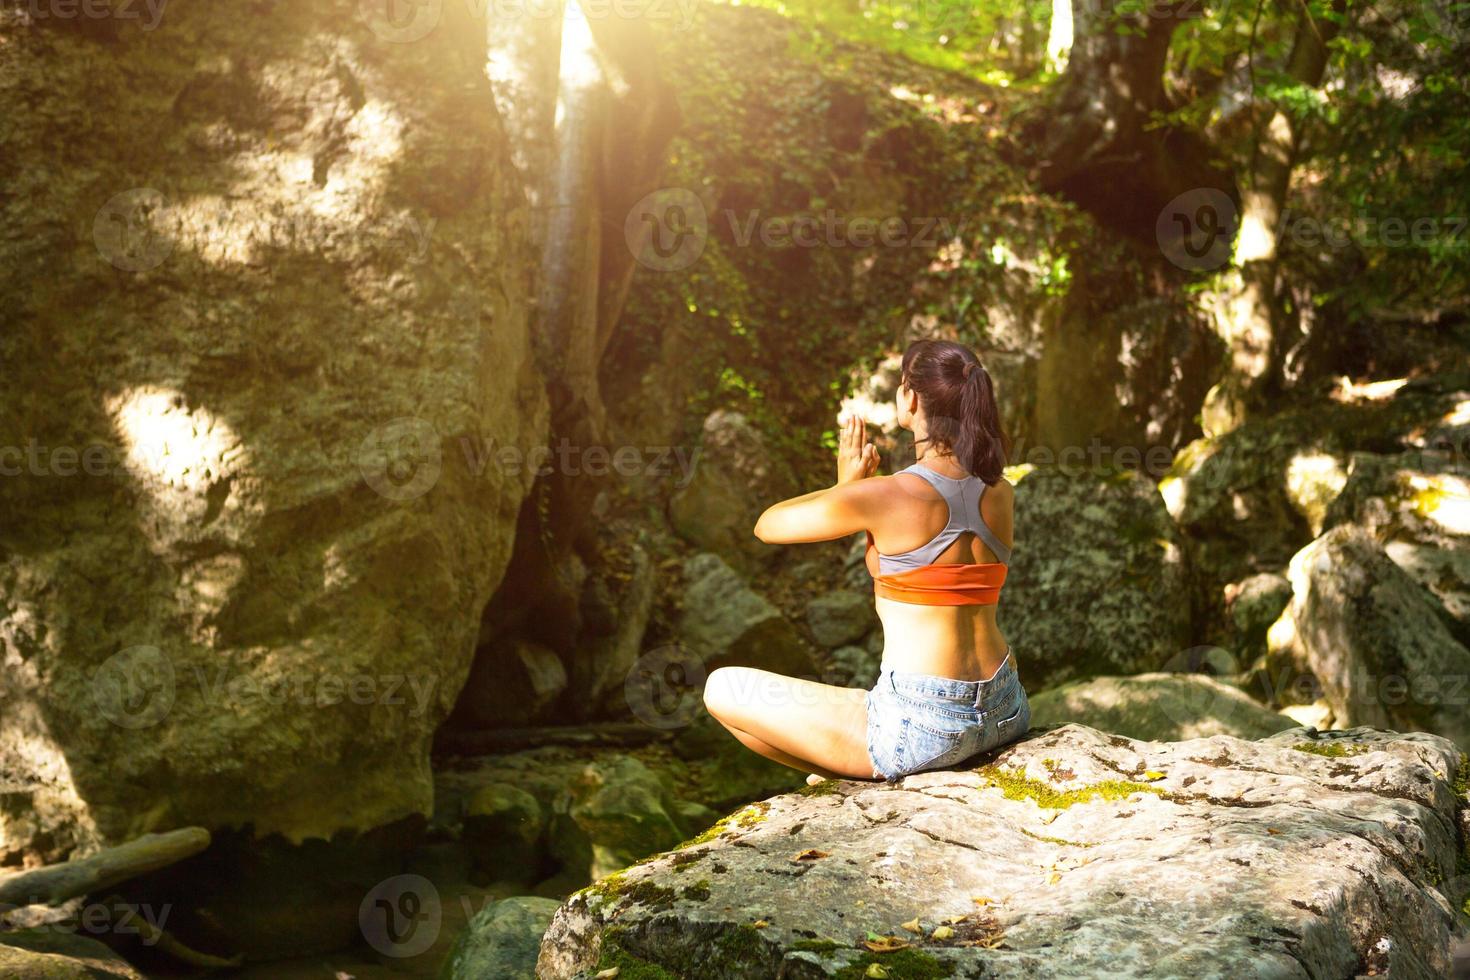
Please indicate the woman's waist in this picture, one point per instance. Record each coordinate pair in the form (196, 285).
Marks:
(994, 681)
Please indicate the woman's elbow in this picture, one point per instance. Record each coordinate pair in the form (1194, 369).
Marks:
(765, 529)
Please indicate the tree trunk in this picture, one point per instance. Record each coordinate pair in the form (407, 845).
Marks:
(1247, 313)
(1099, 144)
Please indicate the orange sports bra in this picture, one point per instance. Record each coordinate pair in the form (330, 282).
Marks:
(914, 578)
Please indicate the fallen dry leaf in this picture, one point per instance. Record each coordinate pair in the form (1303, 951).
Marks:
(885, 944)
(759, 924)
(912, 925)
(810, 854)
(876, 970)
(1152, 775)
(607, 974)
(1272, 830)
(942, 932)
(982, 900)
(1056, 876)
(954, 919)
(1050, 816)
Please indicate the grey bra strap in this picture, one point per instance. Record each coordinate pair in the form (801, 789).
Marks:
(963, 498)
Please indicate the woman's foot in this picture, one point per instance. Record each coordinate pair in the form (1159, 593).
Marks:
(814, 779)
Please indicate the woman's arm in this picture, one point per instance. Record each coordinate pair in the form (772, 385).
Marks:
(836, 511)
(822, 515)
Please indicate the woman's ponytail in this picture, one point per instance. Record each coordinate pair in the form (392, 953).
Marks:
(958, 397)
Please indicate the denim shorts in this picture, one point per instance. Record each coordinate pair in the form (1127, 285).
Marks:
(920, 721)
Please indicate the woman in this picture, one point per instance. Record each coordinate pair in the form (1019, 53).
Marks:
(939, 537)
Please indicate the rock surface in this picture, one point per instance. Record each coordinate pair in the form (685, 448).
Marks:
(840, 618)
(502, 941)
(1419, 506)
(725, 622)
(1373, 639)
(1157, 707)
(1071, 854)
(1097, 581)
(735, 479)
(270, 320)
(47, 955)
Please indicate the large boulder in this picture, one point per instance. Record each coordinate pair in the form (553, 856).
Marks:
(735, 478)
(1372, 638)
(1097, 581)
(281, 376)
(1157, 707)
(559, 815)
(1249, 499)
(601, 663)
(726, 623)
(1418, 505)
(52, 954)
(1072, 854)
(502, 941)
(840, 618)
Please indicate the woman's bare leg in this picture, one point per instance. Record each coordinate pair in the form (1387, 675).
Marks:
(812, 727)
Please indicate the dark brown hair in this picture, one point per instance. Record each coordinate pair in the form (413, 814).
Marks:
(958, 398)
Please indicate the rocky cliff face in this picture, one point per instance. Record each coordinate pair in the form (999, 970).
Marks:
(266, 330)
(1072, 854)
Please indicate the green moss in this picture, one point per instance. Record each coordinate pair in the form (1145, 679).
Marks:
(616, 886)
(1017, 786)
(1462, 779)
(629, 966)
(744, 818)
(902, 964)
(697, 892)
(742, 944)
(825, 788)
(1332, 750)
